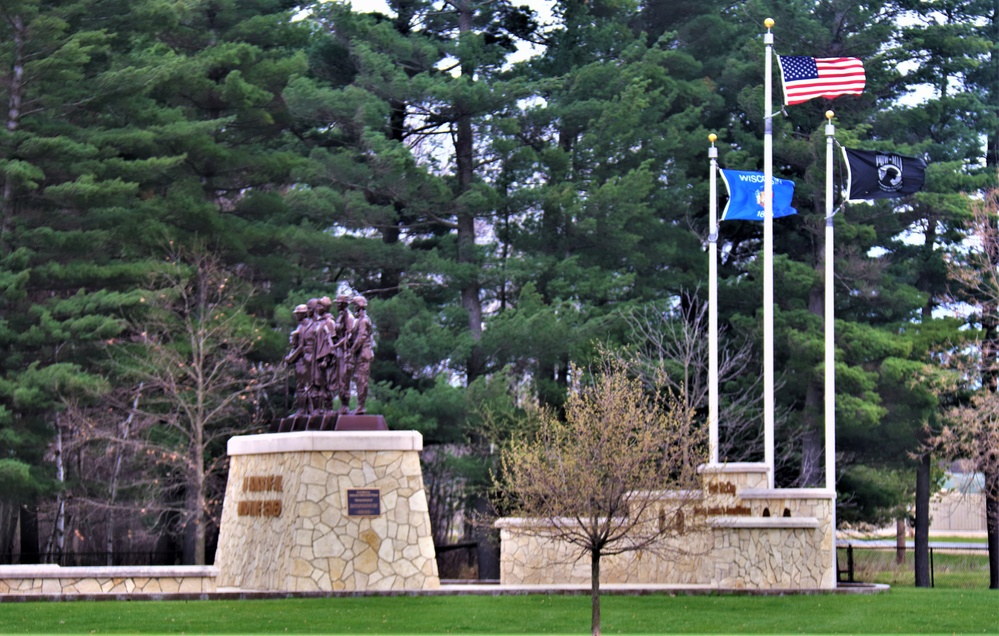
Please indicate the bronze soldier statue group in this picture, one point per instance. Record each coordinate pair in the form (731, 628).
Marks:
(327, 353)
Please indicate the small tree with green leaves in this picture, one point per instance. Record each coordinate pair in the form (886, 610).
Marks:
(587, 480)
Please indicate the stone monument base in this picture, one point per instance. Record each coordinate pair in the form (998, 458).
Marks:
(326, 511)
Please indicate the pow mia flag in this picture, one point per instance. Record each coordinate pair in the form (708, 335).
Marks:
(872, 174)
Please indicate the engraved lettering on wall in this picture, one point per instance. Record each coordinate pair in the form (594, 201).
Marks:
(265, 507)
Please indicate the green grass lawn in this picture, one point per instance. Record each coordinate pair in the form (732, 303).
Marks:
(950, 569)
(982, 540)
(899, 611)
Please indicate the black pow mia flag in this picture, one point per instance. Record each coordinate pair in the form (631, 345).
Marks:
(872, 174)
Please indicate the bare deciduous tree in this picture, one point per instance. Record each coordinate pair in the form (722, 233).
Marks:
(191, 356)
(114, 470)
(674, 338)
(973, 431)
(586, 480)
(108, 496)
(973, 434)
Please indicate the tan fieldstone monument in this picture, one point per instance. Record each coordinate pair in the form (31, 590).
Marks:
(326, 511)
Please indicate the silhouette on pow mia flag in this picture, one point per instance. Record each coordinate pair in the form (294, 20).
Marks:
(327, 354)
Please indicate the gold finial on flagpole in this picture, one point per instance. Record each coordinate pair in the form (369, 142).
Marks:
(712, 138)
(830, 115)
(769, 23)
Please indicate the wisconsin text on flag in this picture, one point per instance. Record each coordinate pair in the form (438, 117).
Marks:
(745, 196)
(808, 77)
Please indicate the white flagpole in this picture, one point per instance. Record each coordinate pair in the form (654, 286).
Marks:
(713, 303)
(830, 328)
(768, 259)
(830, 341)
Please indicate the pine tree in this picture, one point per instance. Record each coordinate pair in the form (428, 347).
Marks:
(71, 180)
(600, 219)
(951, 48)
(130, 125)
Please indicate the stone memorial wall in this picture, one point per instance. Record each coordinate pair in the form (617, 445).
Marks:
(752, 537)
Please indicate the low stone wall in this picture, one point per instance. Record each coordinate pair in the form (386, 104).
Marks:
(530, 556)
(747, 537)
(55, 580)
(326, 511)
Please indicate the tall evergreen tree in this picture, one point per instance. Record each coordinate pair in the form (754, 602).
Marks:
(130, 125)
(602, 215)
(950, 48)
(71, 180)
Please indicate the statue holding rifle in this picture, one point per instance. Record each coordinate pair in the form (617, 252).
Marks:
(343, 327)
(361, 353)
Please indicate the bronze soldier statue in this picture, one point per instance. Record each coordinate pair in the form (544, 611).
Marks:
(362, 343)
(296, 359)
(328, 352)
(320, 334)
(343, 327)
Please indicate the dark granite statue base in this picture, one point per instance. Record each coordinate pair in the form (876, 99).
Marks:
(350, 422)
(314, 422)
(329, 422)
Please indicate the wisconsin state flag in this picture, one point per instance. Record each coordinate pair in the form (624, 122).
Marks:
(745, 196)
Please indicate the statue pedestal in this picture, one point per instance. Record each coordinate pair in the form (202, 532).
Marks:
(326, 511)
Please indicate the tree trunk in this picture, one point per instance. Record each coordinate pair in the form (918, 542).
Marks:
(922, 525)
(194, 531)
(487, 546)
(8, 528)
(196, 508)
(992, 525)
(464, 145)
(119, 453)
(812, 445)
(29, 534)
(15, 87)
(595, 592)
(55, 547)
(812, 470)
(900, 541)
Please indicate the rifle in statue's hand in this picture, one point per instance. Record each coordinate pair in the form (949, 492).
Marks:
(295, 354)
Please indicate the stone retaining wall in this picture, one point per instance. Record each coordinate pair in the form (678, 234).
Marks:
(55, 580)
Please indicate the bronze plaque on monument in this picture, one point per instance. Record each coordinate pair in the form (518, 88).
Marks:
(364, 502)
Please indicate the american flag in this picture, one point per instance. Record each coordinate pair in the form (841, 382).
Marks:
(808, 77)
